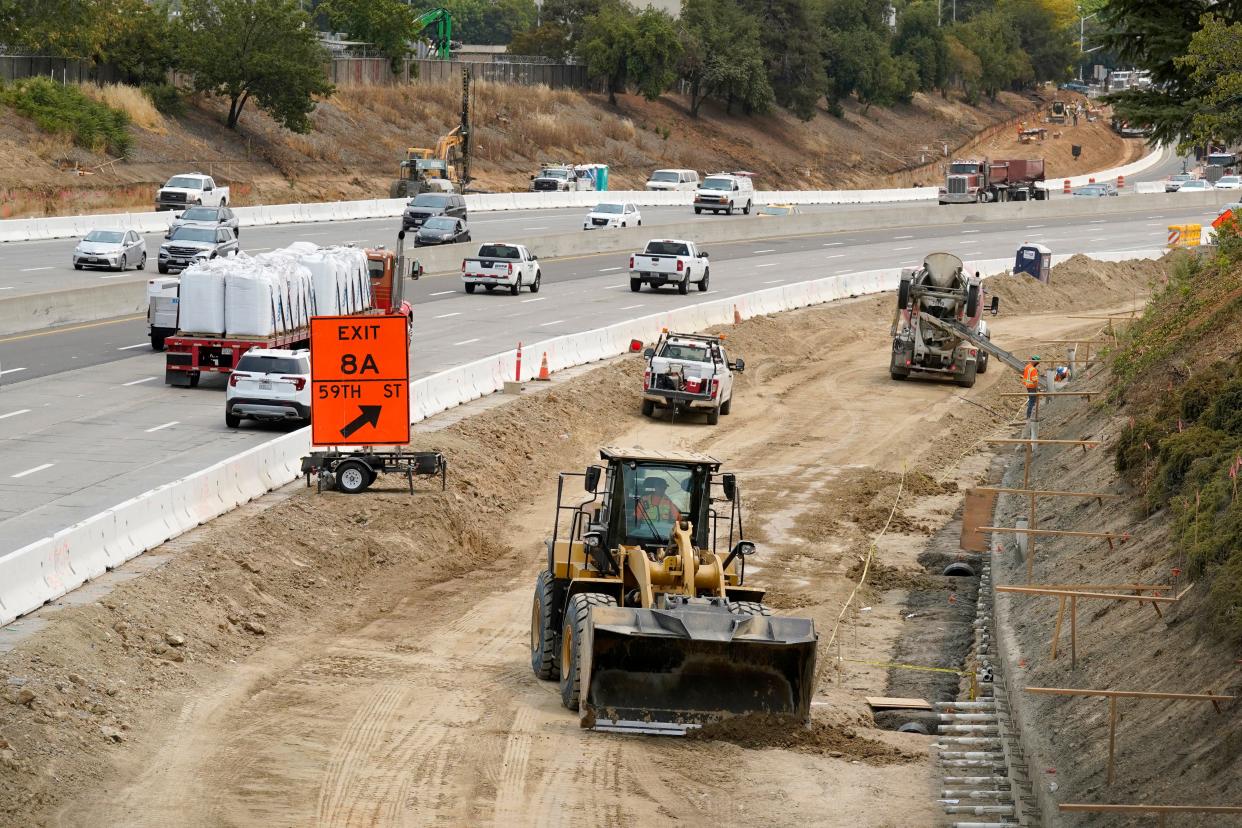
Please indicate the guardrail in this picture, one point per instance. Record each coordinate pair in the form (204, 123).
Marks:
(48, 568)
(61, 227)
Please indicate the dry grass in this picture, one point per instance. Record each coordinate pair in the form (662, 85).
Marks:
(132, 101)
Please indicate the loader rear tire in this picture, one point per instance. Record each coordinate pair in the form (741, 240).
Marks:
(573, 631)
(543, 628)
(748, 608)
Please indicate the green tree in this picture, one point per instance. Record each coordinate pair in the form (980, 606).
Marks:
(388, 25)
(1214, 64)
(965, 69)
(622, 47)
(721, 56)
(922, 39)
(993, 37)
(654, 53)
(491, 22)
(1049, 44)
(261, 49)
(146, 47)
(560, 28)
(790, 35)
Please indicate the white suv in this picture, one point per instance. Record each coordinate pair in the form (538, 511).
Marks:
(269, 384)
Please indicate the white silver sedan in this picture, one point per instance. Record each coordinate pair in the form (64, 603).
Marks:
(113, 249)
(613, 215)
(1229, 182)
(1195, 185)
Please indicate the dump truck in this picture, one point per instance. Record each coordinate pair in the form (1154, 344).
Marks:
(937, 329)
(643, 613)
(970, 181)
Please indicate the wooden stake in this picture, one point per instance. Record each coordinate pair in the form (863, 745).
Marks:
(1056, 632)
(1073, 632)
(1112, 736)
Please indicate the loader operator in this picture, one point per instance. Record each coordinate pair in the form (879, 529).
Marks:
(1030, 378)
(655, 505)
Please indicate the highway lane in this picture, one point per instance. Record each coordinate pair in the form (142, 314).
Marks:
(39, 266)
(78, 440)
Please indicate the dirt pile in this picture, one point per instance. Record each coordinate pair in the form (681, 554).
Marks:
(762, 731)
(361, 133)
(1077, 282)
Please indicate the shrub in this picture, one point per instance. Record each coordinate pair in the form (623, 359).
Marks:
(166, 97)
(65, 109)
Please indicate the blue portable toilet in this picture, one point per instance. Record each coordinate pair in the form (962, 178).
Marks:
(1035, 260)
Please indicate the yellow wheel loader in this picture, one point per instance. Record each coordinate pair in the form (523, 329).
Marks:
(643, 613)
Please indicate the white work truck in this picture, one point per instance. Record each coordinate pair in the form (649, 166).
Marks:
(689, 372)
(669, 262)
(189, 190)
(499, 264)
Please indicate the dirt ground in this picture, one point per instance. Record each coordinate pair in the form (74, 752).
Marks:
(334, 660)
(361, 133)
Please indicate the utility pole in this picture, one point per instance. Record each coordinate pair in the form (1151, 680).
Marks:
(465, 127)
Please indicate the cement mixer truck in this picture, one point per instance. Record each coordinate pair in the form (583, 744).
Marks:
(937, 330)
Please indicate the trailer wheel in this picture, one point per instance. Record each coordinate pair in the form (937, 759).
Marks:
(573, 631)
(748, 608)
(194, 378)
(648, 408)
(543, 628)
(157, 342)
(353, 477)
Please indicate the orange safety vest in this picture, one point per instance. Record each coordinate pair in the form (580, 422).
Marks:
(1030, 376)
(658, 508)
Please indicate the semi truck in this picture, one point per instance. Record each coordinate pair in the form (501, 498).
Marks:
(937, 329)
(971, 181)
(190, 353)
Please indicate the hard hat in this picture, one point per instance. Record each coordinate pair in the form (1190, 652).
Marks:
(1034, 357)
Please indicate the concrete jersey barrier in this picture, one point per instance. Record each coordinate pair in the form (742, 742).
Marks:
(48, 568)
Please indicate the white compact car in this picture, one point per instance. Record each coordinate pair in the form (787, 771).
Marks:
(613, 215)
(269, 384)
(1229, 182)
(113, 249)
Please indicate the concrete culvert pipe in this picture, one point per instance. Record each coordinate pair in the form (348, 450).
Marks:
(959, 569)
(913, 727)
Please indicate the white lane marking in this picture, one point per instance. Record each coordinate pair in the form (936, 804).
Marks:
(15, 413)
(527, 301)
(7, 287)
(1098, 240)
(836, 256)
(535, 228)
(553, 322)
(447, 315)
(898, 238)
(442, 293)
(908, 264)
(769, 264)
(632, 307)
(136, 382)
(316, 233)
(114, 276)
(773, 281)
(132, 347)
(903, 248)
(834, 244)
(1098, 221)
(970, 231)
(165, 425)
(32, 471)
(1033, 226)
(609, 269)
(11, 371)
(465, 342)
(708, 292)
(768, 250)
(33, 269)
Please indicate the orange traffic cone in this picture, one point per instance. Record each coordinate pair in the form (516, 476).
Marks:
(543, 369)
(737, 317)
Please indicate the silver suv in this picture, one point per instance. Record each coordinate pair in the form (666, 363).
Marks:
(269, 384)
(192, 243)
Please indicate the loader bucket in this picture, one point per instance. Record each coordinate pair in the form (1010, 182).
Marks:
(668, 670)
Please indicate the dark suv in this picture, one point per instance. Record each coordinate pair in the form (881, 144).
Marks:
(426, 205)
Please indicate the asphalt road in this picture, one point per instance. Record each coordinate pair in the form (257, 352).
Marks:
(40, 266)
(86, 421)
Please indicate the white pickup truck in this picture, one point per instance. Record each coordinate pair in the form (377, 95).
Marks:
(188, 190)
(499, 264)
(669, 262)
(689, 372)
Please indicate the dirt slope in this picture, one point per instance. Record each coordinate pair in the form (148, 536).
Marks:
(361, 133)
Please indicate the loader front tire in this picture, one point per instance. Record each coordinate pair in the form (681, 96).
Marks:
(748, 608)
(573, 632)
(543, 628)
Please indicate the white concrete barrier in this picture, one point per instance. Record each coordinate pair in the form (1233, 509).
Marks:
(1134, 168)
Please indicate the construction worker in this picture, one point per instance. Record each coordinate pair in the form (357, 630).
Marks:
(1030, 378)
(654, 504)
